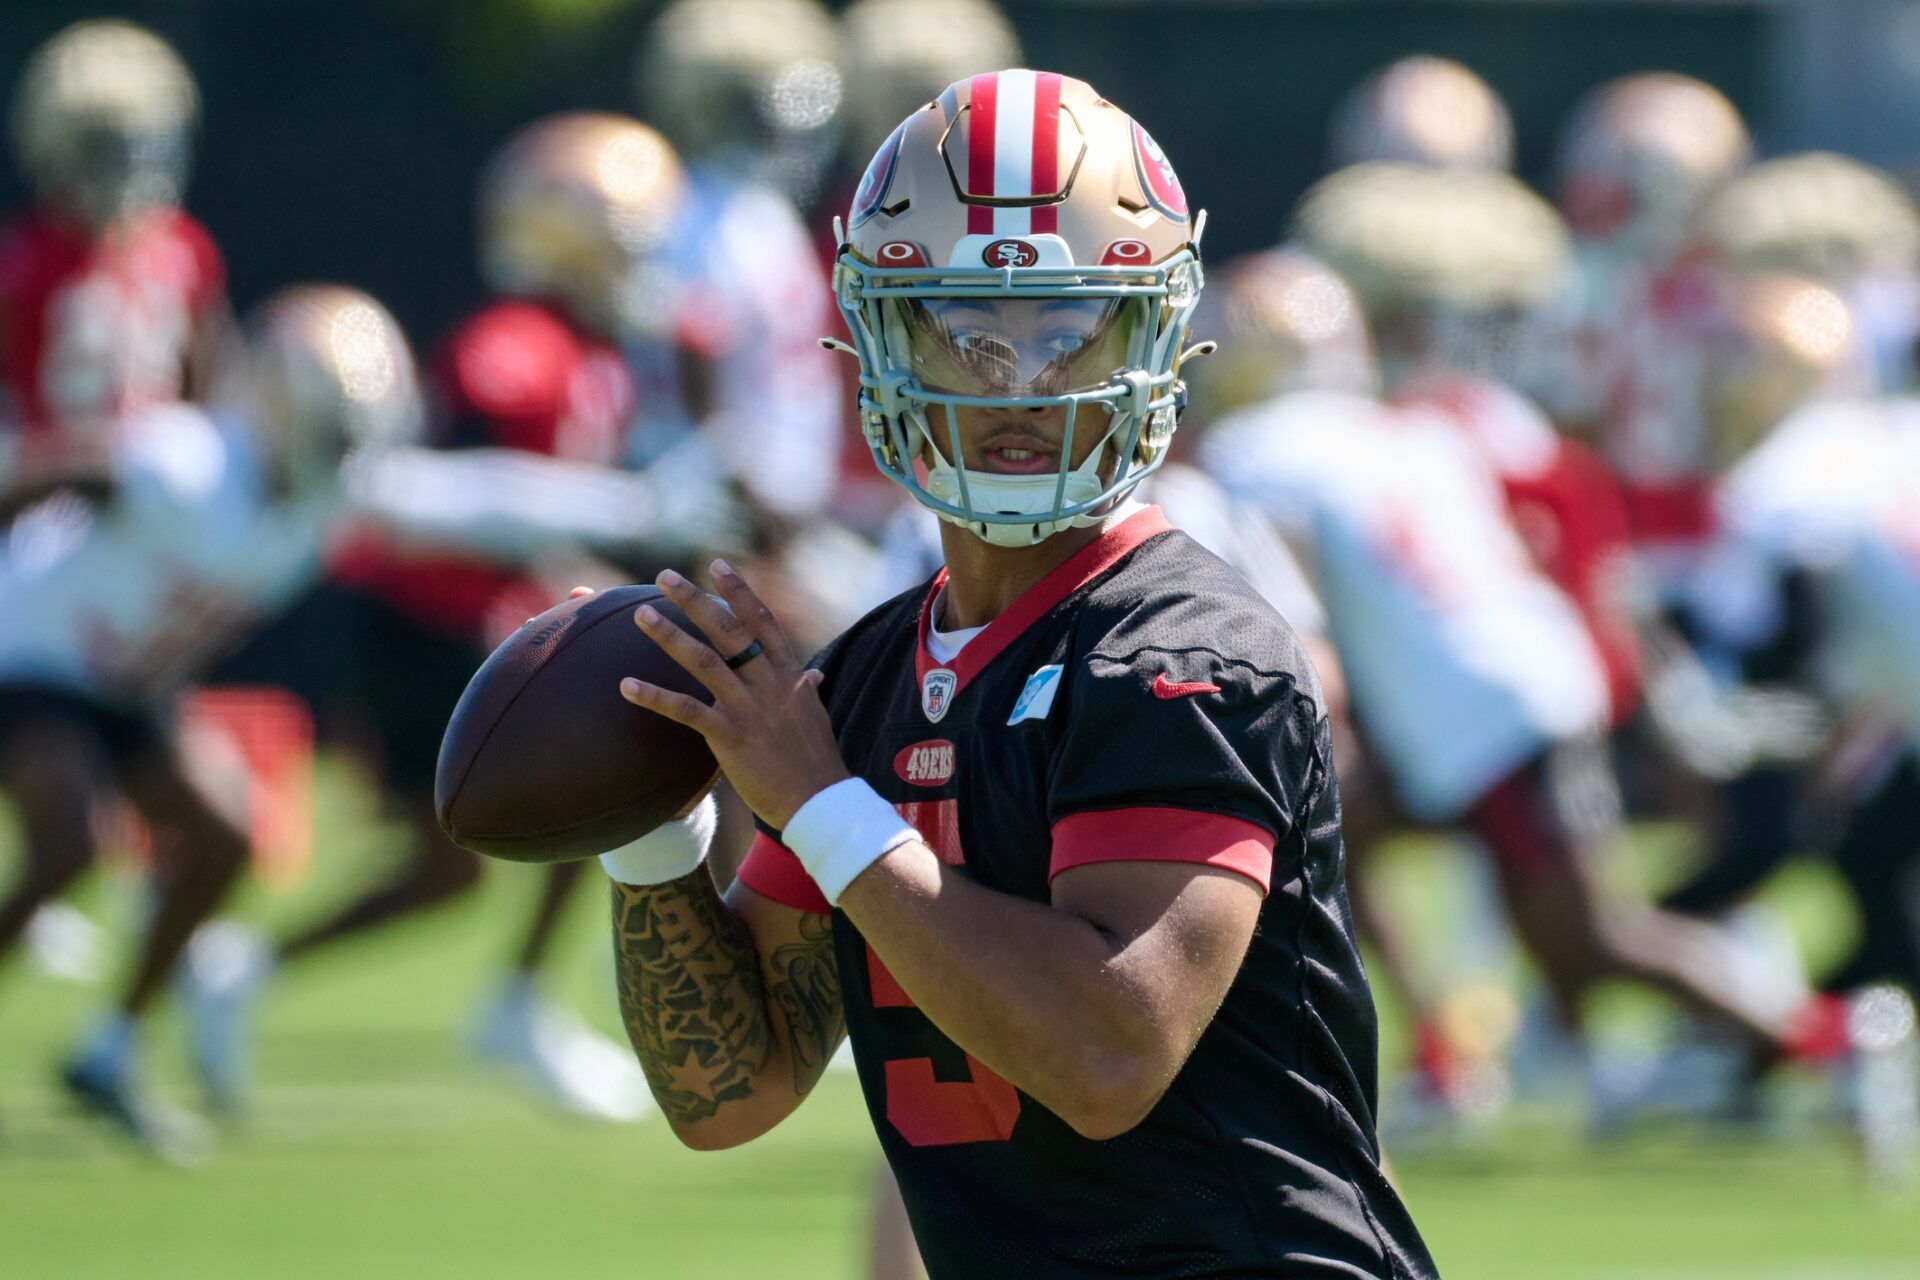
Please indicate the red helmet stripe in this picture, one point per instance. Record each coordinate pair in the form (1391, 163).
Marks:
(1046, 150)
(983, 98)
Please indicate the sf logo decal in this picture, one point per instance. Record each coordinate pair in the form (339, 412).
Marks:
(1010, 253)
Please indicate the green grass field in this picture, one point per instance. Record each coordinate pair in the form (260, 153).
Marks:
(376, 1148)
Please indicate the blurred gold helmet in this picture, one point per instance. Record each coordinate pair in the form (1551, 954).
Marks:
(1814, 214)
(753, 86)
(323, 371)
(103, 120)
(900, 54)
(1427, 111)
(576, 209)
(1781, 341)
(1456, 268)
(1640, 153)
(1020, 243)
(1285, 323)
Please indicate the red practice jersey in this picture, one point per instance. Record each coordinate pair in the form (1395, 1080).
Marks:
(96, 327)
(1567, 508)
(514, 376)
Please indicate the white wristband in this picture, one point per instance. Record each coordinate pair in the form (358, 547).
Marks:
(842, 831)
(669, 851)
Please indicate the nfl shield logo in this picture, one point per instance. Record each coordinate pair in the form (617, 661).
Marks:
(936, 693)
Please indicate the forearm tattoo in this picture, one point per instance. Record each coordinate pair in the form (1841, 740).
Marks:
(691, 994)
(806, 987)
(697, 1005)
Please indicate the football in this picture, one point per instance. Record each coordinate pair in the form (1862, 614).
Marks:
(544, 761)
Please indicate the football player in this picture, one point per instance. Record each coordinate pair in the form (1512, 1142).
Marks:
(1812, 583)
(1459, 275)
(112, 298)
(1633, 164)
(108, 612)
(1823, 217)
(1423, 110)
(1087, 1034)
(1474, 676)
(748, 92)
(574, 213)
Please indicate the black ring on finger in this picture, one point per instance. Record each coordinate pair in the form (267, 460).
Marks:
(746, 655)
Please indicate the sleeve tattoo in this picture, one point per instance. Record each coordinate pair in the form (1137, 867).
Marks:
(697, 1005)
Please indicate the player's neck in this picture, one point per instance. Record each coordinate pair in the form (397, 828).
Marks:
(983, 580)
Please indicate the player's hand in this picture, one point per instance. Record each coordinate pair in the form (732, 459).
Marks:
(766, 726)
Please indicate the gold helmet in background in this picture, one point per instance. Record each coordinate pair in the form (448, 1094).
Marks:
(323, 371)
(1459, 269)
(752, 86)
(1020, 243)
(1285, 323)
(1814, 214)
(103, 121)
(576, 209)
(1423, 110)
(1780, 341)
(1641, 152)
(900, 55)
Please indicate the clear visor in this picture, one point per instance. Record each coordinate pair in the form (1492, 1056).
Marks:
(1013, 347)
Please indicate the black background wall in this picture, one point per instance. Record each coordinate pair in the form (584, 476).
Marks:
(342, 136)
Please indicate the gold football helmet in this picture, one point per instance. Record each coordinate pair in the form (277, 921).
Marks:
(1019, 244)
(1814, 214)
(1427, 111)
(1781, 340)
(1640, 153)
(1284, 323)
(322, 371)
(899, 55)
(576, 209)
(103, 121)
(1460, 269)
(753, 86)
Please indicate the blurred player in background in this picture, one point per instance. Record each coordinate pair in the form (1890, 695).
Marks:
(108, 612)
(1812, 585)
(1475, 677)
(1423, 110)
(112, 298)
(749, 93)
(575, 213)
(1633, 164)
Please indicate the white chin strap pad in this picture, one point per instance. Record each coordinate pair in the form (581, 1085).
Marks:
(993, 493)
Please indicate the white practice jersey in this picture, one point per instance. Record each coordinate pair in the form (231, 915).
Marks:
(1233, 530)
(132, 598)
(1463, 659)
(755, 302)
(1834, 491)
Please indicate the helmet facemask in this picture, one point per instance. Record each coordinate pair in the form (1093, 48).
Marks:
(1054, 352)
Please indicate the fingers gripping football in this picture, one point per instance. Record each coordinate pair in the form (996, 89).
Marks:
(766, 726)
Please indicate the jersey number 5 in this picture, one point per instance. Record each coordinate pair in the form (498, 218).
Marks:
(925, 1111)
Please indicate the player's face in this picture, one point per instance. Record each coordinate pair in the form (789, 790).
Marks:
(111, 173)
(1014, 348)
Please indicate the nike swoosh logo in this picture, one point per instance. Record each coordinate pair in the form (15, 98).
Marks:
(1169, 689)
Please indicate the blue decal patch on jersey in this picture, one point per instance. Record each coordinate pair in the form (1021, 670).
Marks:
(1036, 699)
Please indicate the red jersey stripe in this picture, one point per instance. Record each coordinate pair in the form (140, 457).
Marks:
(772, 871)
(1157, 834)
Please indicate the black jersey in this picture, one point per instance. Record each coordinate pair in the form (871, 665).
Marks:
(1142, 702)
